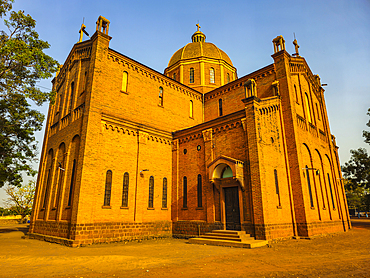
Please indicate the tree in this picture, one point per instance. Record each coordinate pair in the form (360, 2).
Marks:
(22, 64)
(20, 199)
(355, 198)
(357, 175)
(357, 170)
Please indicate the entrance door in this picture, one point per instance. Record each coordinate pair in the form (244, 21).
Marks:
(232, 212)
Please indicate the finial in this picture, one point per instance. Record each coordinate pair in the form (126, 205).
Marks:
(198, 26)
(296, 46)
(82, 30)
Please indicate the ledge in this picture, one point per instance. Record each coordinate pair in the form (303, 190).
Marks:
(106, 207)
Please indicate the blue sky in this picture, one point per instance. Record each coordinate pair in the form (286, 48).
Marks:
(334, 38)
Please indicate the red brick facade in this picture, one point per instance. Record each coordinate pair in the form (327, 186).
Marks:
(132, 153)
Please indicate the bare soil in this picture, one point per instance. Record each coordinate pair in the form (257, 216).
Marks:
(336, 255)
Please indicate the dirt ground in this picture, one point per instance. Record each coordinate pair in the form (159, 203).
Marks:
(337, 255)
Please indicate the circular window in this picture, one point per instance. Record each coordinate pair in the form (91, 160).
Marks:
(199, 147)
(185, 151)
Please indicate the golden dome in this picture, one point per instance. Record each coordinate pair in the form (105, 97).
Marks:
(199, 48)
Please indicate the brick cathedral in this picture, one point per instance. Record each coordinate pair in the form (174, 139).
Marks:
(132, 153)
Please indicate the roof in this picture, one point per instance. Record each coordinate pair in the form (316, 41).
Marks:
(197, 50)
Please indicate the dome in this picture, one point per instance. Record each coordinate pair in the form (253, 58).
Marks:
(199, 48)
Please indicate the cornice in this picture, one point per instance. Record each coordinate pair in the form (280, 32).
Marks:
(80, 51)
(256, 75)
(125, 61)
(218, 125)
(124, 126)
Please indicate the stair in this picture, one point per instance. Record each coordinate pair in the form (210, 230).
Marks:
(228, 238)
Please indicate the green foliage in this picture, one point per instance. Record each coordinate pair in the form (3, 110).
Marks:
(366, 134)
(20, 199)
(22, 64)
(6, 211)
(357, 199)
(357, 170)
(18, 147)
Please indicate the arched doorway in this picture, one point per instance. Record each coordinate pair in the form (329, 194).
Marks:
(224, 178)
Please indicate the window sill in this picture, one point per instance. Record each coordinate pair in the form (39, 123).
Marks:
(106, 207)
(42, 209)
(150, 209)
(324, 208)
(54, 208)
(164, 208)
(184, 208)
(160, 106)
(279, 207)
(123, 92)
(124, 207)
(199, 208)
(312, 207)
(68, 207)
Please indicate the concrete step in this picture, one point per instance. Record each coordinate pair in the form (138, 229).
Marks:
(229, 232)
(229, 238)
(228, 235)
(244, 244)
(221, 237)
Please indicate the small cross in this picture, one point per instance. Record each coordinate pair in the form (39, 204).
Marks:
(82, 30)
(296, 47)
(198, 26)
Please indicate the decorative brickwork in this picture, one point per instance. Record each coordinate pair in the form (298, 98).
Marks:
(83, 234)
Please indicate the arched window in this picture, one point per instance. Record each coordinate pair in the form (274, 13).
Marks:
(164, 193)
(228, 78)
(212, 75)
(61, 106)
(331, 191)
(160, 96)
(277, 186)
(60, 166)
(108, 188)
(220, 107)
(296, 93)
(199, 191)
(185, 193)
(191, 79)
(227, 172)
(125, 190)
(84, 82)
(174, 76)
(318, 112)
(309, 116)
(309, 186)
(46, 189)
(72, 183)
(191, 109)
(124, 81)
(276, 182)
(151, 192)
(72, 95)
